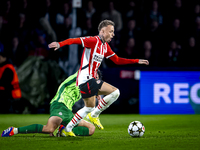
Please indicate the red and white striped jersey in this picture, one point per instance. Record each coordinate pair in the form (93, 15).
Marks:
(93, 54)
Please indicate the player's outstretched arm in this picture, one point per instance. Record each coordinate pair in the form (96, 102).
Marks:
(123, 61)
(54, 45)
(57, 45)
(143, 61)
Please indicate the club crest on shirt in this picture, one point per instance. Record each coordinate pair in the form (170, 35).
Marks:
(98, 81)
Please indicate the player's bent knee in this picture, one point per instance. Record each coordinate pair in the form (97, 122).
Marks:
(116, 94)
(51, 130)
(91, 130)
(47, 129)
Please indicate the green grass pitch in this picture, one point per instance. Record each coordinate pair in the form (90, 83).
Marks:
(162, 132)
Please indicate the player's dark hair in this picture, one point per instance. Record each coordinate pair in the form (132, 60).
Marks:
(105, 23)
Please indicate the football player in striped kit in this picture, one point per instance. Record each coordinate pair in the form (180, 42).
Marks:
(95, 49)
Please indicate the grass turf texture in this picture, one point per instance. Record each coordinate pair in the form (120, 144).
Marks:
(162, 132)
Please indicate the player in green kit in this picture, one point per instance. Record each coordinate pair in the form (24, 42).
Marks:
(60, 113)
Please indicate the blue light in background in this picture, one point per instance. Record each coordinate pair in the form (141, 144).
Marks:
(169, 92)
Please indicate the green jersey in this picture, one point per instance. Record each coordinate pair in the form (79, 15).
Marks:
(68, 93)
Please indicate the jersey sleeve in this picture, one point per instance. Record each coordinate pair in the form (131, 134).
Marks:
(88, 41)
(123, 61)
(70, 41)
(109, 52)
(118, 60)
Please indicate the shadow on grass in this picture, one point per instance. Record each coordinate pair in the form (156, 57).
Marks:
(47, 138)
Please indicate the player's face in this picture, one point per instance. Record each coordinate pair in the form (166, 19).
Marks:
(108, 33)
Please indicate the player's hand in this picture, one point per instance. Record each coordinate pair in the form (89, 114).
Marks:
(54, 45)
(143, 61)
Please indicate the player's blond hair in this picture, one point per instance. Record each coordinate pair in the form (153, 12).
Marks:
(105, 23)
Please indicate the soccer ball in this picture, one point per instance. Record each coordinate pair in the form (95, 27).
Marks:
(136, 129)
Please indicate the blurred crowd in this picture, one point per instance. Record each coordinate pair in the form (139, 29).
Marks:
(166, 32)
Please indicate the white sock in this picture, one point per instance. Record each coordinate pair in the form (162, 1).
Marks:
(105, 103)
(15, 130)
(82, 113)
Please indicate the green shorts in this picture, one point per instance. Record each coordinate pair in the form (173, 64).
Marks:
(60, 110)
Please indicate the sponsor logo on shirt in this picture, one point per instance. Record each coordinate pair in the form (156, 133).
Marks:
(98, 58)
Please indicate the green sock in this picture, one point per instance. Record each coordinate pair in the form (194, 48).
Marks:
(34, 128)
(81, 131)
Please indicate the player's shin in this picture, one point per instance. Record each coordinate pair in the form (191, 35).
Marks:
(34, 128)
(105, 103)
(81, 131)
(78, 117)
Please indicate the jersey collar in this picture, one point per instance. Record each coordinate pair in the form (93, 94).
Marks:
(101, 39)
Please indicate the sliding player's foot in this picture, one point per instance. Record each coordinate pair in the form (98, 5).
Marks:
(64, 133)
(8, 132)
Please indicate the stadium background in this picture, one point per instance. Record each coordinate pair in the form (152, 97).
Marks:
(168, 38)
